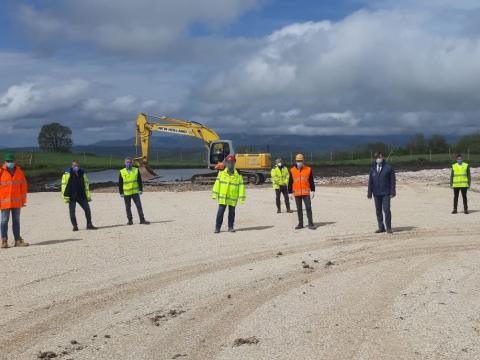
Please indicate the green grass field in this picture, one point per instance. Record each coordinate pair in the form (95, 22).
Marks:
(46, 165)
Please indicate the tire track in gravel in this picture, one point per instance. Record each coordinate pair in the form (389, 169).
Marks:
(27, 329)
(216, 319)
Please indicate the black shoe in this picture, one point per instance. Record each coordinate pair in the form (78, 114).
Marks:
(312, 227)
(289, 211)
(232, 230)
(279, 211)
(91, 227)
(217, 231)
(466, 212)
(379, 231)
(75, 228)
(298, 227)
(454, 211)
(389, 231)
(130, 222)
(145, 222)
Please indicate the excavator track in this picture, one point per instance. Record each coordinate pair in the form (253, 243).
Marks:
(248, 178)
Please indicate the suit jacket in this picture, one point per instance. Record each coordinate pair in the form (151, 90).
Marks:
(383, 183)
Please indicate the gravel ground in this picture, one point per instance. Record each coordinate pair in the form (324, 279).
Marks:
(174, 290)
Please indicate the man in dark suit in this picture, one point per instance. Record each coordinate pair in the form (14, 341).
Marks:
(382, 186)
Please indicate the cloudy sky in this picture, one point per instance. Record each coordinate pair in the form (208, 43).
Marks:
(265, 66)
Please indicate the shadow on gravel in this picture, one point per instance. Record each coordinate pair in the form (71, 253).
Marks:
(473, 211)
(320, 224)
(161, 222)
(53, 242)
(255, 228)
(110, 226)
(404, 228)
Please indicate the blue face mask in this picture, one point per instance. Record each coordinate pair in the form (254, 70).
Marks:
(459, 162)
(128, 165)
(76, 168)
(10, 165)
(300, 165)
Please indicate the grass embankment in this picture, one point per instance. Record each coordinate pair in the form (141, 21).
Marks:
(51, 165)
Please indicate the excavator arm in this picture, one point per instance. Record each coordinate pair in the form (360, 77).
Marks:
(171, 126)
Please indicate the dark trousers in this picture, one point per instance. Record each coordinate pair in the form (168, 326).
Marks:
(138, 204)
(221, 213)
(382, 205)
(86, 208)
(456, 193)
(15, 223)
(299, 200)
(278, 192)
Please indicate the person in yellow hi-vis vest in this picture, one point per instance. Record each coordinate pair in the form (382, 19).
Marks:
(460, 181)
(280, 179)
(228, 190)
(130, 187)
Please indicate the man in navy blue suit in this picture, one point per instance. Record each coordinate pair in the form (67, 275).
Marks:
(382, 186)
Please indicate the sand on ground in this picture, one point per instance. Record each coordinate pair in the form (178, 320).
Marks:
(175, 290)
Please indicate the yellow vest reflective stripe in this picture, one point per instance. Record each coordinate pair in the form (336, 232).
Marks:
(229, 189)
(280, 177)
(460, 177)
(130, 181)
(63, 187)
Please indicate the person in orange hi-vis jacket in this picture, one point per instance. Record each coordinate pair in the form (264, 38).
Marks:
(13, 196)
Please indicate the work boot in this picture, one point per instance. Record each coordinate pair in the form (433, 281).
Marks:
(289, 211)
(130, 222)
(4, 244)
(298, 227)
(389, 231)
(217, 230)
(312, 227)
(144, 222)
(279, 211)
(379, 231)
(232, 230)
(21, 243)
(91, 227)
(75, 228)
(466, 211)
(454, 211)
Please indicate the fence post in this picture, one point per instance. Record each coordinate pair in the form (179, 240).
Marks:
(468, 154)
(430, 154)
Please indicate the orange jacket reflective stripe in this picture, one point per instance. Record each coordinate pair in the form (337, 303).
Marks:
(301, 181)
(13, 189)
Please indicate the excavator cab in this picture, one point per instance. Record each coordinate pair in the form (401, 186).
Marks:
(218, 151)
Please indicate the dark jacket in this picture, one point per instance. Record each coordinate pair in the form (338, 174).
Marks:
(311, 180)
(468, 175)
(120, 183)
(75, 188)
(383, 183)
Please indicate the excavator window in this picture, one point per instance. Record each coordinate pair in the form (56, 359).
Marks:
(219, 152)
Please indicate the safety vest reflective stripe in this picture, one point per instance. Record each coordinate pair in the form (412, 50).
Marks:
(13, 182)
(11, 200)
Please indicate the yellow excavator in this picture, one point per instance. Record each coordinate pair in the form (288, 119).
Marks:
(255, 168)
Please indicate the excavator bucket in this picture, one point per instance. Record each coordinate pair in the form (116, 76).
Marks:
(147, 172)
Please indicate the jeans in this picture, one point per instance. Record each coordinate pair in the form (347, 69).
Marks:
(382, 205)
(308, 206)
(283, 190)
(86, 208)
(15, 220)
(128, 206)
(456, 193)
(221, 212)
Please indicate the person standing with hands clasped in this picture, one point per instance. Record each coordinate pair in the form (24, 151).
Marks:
(228, 190)
(460, 181)
(280, 179)
(130, 186)
(302, 186)
(382, 186)
(75, 189)
(13, 196)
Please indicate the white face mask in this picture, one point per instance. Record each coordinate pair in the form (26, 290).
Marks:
(299, 165)
(379, 161)
(279, 164)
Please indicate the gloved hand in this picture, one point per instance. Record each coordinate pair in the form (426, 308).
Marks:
(121, 195)
(140, 192)
(369, 197)
(312, 195)
(291, 197)
(393, 195)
